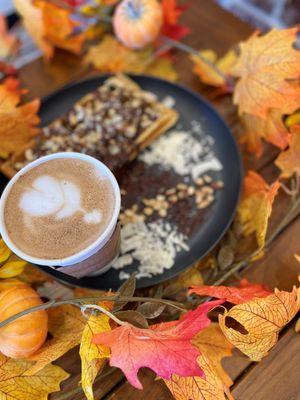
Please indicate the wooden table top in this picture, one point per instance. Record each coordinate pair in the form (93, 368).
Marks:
(277, 376)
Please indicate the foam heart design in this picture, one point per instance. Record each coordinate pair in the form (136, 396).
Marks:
(50, 196)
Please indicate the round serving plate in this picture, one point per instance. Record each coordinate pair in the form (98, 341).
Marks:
(191, 107)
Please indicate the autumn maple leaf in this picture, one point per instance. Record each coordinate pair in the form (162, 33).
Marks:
(256, 206)
(9, 44)
(265, 68)
(272, 129)
(234, 294)
(18, 124)
(289, 160)
(262, 319)
(171, 15)
(165, 348)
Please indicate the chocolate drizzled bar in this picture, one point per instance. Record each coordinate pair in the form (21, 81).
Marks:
(113, 124)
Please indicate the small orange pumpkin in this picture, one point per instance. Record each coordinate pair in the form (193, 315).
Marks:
(25, 336)
(137, 22)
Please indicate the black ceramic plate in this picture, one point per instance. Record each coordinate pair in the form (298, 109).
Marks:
(191, 107)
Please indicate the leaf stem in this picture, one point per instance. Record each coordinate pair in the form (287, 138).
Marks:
(104, 311)
(190, 50)
(82, 300)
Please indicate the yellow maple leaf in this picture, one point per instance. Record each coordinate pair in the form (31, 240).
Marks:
(256, 206)
(92, 356)
(261, 319)
(265, 67)
(13, 267)
(66, 324)
(272, 129)
(17, 123)
(214, 346)
(293, 119)
(32, 18)
(15, 383)
(196, 388)
(111, 56)
(207, 73)
(162, 68)
(289, 160)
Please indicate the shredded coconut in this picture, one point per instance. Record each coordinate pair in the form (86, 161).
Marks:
(186, 152)
(154, 246)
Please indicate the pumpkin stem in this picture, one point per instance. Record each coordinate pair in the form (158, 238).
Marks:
(134, 9)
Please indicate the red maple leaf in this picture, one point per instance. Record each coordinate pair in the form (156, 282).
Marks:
(171, 14)
(233, 294)
(165, 348)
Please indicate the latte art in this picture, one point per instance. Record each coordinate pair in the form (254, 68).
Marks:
(59, 198)
(58, 208)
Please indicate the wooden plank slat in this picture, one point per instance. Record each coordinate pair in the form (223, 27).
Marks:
(276, 377)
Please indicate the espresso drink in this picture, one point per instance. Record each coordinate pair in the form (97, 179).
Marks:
(58, 208)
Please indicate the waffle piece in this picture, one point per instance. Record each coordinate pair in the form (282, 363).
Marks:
(113, 124)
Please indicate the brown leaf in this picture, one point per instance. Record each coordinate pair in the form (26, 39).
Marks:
(151, 310)
(261, 320)
(225, 256)
(127, 289)
(265, 67)
(133, 317)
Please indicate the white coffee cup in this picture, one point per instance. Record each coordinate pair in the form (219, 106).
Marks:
(94, 247)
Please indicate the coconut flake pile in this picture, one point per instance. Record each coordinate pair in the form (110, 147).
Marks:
(186, 152)
(154, 246)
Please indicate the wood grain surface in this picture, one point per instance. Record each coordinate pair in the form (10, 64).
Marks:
(277, 376)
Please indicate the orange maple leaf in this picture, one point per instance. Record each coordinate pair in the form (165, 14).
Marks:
(262, 319)
(272, 129)
(32, 18)
(59, 27)
(265, 67)
(49, 26)
(233, 294)
(18, 124)
(289, 160)
(256, 206)
(9, 44)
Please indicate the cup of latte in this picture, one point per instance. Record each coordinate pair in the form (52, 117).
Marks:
(62, 211)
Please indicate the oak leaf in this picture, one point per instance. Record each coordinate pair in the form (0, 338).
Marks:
(165, 348)
(66, 324)
(17, 384)
(214, 346)
(196, 388)
(93, 356)
(261, 320)
(18, 124)
(289, 161)
(265, 68)
(9, 44)
(236, 295)
(206, 71)
(272, 129)
(256, 206)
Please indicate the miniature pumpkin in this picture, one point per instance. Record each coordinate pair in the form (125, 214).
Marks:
(137, 22)
(25, 336)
